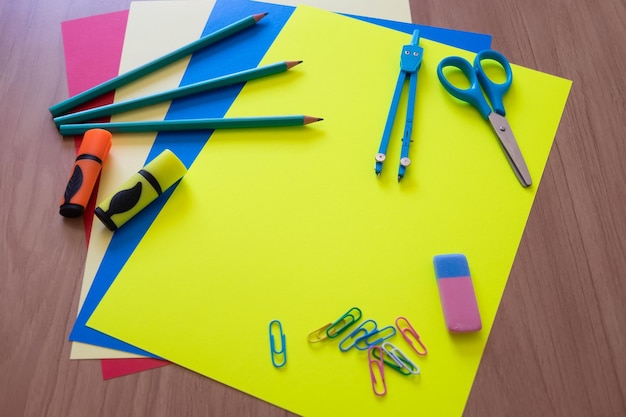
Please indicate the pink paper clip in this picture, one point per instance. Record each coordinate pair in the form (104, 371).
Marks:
(377, 372)
(410, 335)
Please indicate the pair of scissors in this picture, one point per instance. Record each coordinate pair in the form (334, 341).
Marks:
(494, 91)
(410, 63)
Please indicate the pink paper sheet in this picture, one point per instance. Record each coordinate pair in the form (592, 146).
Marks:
(93, 50)
(113, 368)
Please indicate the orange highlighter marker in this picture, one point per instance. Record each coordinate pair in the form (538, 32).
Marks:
(92, 152)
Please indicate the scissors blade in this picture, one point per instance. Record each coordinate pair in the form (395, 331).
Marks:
(505, 135)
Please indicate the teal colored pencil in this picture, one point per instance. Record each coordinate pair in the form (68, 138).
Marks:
(190, 124)
(123, 79)
(187, 90)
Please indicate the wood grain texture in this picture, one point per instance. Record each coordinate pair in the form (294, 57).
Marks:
(558, 345)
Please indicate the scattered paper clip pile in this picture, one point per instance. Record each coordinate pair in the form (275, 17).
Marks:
(368, 336)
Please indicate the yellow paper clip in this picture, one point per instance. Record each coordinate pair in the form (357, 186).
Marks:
(276, 354)
(319, 334)
(335, 328)
(377, 371)
(411, 336)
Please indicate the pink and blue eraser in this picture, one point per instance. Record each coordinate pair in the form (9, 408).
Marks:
(456, 291)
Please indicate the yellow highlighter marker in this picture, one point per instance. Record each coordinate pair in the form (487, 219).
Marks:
(141, 189)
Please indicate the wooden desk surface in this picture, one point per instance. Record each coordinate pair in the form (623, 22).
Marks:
(558, 345)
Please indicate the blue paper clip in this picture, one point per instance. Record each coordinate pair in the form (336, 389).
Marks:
(275, 353)
(375, 337)
(365, 329)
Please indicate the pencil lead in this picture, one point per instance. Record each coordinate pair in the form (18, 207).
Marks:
(259, 16)
(311, 119)
(399, 178)
(291, 64)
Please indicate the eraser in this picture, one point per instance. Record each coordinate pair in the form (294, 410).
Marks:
(456, 291)
(141, 189)
(92, 152)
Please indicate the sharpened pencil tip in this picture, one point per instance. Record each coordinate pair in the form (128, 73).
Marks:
(291, 64)
(399, 178)
(259, 16)
(311, 119)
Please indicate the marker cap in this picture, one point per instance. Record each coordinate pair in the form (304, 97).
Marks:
(141, 189)
(92, 152)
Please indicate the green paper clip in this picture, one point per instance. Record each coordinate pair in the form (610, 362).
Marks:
(342, 323)
(334, 329)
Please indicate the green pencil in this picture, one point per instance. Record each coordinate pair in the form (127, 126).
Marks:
(225, 80)
(190, 124)
(123, 79)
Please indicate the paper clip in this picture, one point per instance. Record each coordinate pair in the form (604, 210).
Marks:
(408, 330)
(392, 363)
(365, 329)
(319, 334)
(275, 353)
(400, 358)
(342, 323)
(375, 337)
(335, 328)
(377, 371)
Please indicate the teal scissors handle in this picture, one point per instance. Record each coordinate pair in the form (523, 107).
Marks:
(478, 78)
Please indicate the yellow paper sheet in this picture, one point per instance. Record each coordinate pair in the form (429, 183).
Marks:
(147, 38)
(293, 224)
(398, 10)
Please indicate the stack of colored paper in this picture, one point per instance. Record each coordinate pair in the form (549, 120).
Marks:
(293, 224)
(146, 39)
